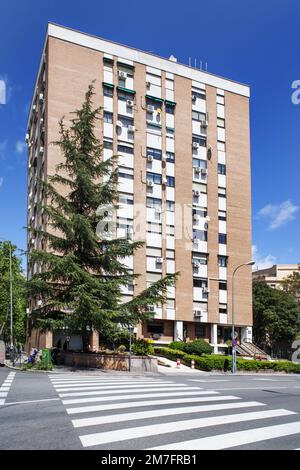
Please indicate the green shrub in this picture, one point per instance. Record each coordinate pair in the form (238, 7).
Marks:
(179, 345)
(142, 348)
(171, 354)
(198, 347)
(121, 349)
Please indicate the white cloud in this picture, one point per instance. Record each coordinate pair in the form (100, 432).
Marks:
(20, 146)
(1, 181)
(279, 214)
(261, 261)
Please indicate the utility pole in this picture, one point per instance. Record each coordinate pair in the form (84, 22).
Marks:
(11, 298)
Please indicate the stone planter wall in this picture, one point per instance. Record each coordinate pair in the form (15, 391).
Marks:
(110, 362)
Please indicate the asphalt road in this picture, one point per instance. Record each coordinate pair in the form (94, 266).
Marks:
(97, 410)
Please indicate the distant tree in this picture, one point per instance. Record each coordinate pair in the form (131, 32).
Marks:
(83, 271)
(275, 317)
(19, 295)
(291, 285)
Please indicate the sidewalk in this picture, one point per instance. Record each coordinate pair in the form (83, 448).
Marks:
(173, 369)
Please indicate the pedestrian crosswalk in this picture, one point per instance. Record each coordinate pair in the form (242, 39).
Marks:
(5, 387)
(115, 412)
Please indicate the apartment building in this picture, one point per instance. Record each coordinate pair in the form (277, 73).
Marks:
(276, 274)
(182, 136)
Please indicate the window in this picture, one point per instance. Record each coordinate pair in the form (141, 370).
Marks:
(202, 211)
(221, 146)
(155, 128)
(222, 285)
(200, 235)
(155, 177)
(170, 254)
(121, 174)
(125, 121)
(199, 94)
(201, 140)
(125, 149)
(170, 132)
(199, 163)
(220, 122)
(197, 116)
(222, 215)
(201, 260)
(222, 192)
(124, 96)
(170, 181)
(155, 328)
(199, 282)
(222, 238)
(170, 206)
(153, 203)
(108, 91)
(222, 261)
(221, 169)
(170, 109)
(170, 157)
(125, 199)
(107, 117)
(223, 310)
(200, 331)
(107, 144)
(155, 153)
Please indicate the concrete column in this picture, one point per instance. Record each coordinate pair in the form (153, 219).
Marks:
(178, 330)
(246, 334)
(94, 341)
(214, 337)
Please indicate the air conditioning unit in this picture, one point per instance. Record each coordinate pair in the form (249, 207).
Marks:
(34, 107)
(197, 313)
(204, 123)
(129, 103)
(150, 108)
(41, 96)
(205, 290)
(159, 260)
(195, 145)
(131, 128)
(148, 84)
(196, 263)
(27, 138)
(194, 97)
(41, 150)
(197, 169)
(119, 124)
(122, 74)
(196, 192)
(204, 171)
(150, 158)
(150, 183)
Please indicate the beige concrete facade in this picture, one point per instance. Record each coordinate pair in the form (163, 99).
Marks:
(276, 274)
(168, 133)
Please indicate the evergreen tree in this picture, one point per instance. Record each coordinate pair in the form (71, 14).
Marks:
(19, 295)
(82, 271)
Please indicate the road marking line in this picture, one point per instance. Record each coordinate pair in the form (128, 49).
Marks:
(133, 396)
(30, 401)
(141, 388)
(91, 384)
(3, 394)
(138, 404)
(207, 381)
(251, 388)
(5, 387)
(119, 435)
(84, 422)
(99, 392)
(234, 439)
(2, 402)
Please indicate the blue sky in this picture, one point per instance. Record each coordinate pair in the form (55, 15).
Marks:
(252, 41)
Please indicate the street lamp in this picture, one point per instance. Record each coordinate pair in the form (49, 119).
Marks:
(233, 335)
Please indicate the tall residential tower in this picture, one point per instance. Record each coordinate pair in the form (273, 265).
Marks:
(182, 136)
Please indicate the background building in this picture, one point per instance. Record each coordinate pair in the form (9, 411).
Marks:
(275, 275)
(182, 136)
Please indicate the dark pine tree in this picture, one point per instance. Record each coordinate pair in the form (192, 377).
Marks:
(79, 286)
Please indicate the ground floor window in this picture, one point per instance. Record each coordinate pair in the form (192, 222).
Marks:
(200, 331)
(155, 328)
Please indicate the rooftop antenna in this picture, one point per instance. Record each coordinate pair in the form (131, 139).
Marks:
(195, 62)
(205, 66)
(200, 64)
(190, 61)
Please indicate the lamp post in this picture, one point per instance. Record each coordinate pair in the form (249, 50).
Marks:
(131, 330)
(233, 335)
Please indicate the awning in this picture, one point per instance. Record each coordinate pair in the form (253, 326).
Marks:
(126, 90)
(170, 103)
(109, 85)
(154, 98)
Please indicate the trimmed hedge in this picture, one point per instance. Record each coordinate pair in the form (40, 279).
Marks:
(198, 347)
(224, 363)
(178, 345)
